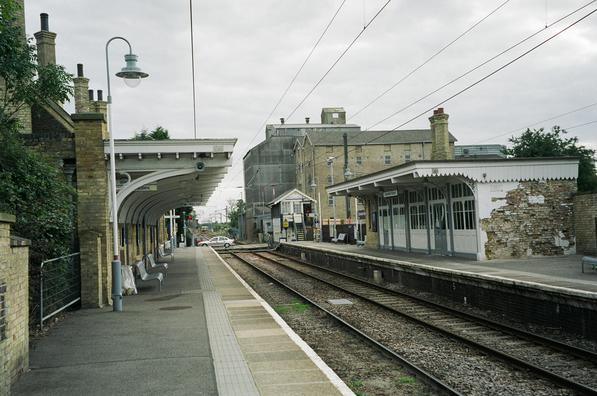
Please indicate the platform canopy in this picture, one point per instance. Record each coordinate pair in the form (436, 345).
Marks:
(156, 176)
(472, 170)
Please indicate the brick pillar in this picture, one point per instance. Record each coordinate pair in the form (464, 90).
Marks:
(440, 137)
(14, 299)
(93, 209)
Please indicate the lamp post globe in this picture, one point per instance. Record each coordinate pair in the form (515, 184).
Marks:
(131, 73)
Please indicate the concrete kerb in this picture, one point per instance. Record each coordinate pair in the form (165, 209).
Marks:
(328, 372)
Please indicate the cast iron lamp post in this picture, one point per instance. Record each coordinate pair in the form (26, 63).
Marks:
(132, 76)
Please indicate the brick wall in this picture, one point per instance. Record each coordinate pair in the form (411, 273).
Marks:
(535, 219)
(585, 223)
(14, 349)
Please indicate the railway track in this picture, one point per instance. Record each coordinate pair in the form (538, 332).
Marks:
(426, 377)
(571, 367)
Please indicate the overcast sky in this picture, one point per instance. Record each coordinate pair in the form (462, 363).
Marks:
(246, 53)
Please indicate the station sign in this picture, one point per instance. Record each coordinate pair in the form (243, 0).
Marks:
(391, 193)
(148, 187)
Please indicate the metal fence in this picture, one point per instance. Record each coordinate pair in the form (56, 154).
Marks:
(2, 311)
(59, 285)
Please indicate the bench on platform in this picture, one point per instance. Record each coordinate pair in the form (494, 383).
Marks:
(146, 276)
(361, 243)
(161, 267)
(592, 261)
(162, 253)
(341, 237)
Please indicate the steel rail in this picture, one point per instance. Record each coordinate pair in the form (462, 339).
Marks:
(492, 351)
(428, 377)
(545, 341)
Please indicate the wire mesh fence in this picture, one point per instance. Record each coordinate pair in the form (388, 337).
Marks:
(55, 285)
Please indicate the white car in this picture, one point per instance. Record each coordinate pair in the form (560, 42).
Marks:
(218, 241)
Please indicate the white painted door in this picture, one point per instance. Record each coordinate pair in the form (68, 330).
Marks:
(399, 222)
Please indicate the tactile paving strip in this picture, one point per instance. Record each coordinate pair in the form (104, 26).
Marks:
(232, 373)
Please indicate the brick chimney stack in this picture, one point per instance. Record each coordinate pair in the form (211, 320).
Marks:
(46, 43)
(81, 91)
(100, 106)
(440, 137)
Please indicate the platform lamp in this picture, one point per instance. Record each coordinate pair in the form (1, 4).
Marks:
(316, 210)
(132, 76)
(330, 162)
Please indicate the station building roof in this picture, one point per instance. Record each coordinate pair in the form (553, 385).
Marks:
(476, 170)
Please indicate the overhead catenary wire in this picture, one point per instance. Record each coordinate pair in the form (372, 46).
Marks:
(524, 40)
(494, 72)
(537, 122)
(298, 72)
(468, 87)
(326, 28)
(339, 58)
(437, 53)
(580, 125)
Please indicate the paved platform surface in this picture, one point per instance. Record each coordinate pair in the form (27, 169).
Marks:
(205, 333)
(562, 272)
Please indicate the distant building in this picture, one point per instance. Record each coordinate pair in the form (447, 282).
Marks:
(368, 152)
(479, 151)
(270, 167)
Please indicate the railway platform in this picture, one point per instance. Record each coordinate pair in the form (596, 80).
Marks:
(551, 292)
(559, 273)
(205, 333)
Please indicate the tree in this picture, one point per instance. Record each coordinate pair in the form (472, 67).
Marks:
(540, 143)
(159, 133)
(22, 80)
(31, 187)
(236, 212)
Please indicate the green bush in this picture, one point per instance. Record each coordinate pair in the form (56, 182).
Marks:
(35, 191)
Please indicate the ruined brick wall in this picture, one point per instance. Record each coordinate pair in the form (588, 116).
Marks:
(585, 222)
(14, 289)
(536, 219)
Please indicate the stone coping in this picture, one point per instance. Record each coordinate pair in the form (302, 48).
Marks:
(7, 218)
(16, 241)
(88, 117)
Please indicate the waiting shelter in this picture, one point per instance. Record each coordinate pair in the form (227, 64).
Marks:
(478, 208)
